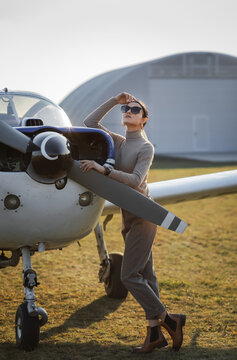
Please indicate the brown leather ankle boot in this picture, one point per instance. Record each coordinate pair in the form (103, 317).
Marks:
(174, 323)
(149, 346)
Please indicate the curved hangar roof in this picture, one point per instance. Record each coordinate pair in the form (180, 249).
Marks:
(80, 102)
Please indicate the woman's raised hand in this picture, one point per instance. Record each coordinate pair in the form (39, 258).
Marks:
(124, 98)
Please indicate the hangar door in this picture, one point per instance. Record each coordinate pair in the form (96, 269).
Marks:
(193, 115)
(200, 133)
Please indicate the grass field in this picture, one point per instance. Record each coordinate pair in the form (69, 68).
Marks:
(196, 272)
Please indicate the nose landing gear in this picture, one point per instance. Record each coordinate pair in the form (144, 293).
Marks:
(29, 317)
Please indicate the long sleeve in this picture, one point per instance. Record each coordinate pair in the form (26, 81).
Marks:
(143, 163)
(94, 118)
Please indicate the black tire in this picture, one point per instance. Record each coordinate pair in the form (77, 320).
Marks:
(114, 287)
(27, 329)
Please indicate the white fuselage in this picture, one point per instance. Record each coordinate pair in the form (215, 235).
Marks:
(45, 215)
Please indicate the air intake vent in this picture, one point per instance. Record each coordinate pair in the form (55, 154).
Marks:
(32, 122)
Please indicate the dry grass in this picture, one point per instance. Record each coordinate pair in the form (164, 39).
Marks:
(196, 272)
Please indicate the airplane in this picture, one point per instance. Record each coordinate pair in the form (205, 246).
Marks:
(48, 202)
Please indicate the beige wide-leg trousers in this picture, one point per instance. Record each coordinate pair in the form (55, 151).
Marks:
(137, 272)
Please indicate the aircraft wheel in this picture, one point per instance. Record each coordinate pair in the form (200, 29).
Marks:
(27, 329)
(114, 287)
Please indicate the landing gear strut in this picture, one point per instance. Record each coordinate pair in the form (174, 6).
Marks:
(27, 321)
(110, 268)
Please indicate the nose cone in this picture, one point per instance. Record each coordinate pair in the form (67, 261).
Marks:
(53, 161)
(53, 146)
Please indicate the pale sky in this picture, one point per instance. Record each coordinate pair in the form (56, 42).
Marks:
(53, 46)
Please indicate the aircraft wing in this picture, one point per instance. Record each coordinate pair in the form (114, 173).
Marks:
(188, 188)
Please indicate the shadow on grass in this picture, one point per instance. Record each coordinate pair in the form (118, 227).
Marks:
(84, 317)
(94, 350)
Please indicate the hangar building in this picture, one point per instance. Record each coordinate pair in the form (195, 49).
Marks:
(191, 97)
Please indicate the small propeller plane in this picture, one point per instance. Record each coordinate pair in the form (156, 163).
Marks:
(47, 202)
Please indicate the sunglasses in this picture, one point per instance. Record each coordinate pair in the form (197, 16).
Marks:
(134, 109)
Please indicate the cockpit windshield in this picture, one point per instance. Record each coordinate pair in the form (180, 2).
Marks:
(16, 108)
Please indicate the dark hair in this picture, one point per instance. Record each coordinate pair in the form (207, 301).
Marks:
(144, 109)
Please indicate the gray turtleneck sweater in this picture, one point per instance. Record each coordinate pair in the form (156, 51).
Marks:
(133, 153)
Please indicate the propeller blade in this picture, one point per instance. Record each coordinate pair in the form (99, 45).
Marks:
(15, 139)
(126, 198)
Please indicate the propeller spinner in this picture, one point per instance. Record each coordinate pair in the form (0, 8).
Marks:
(53, 159)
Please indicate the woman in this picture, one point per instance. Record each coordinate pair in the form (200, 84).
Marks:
(133, 158)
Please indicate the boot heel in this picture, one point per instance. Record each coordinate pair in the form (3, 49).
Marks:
(163, 344)
(183, 320)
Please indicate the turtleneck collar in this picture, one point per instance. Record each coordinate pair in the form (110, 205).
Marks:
(133, 134)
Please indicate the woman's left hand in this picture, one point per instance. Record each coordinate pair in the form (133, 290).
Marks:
(91, 164)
